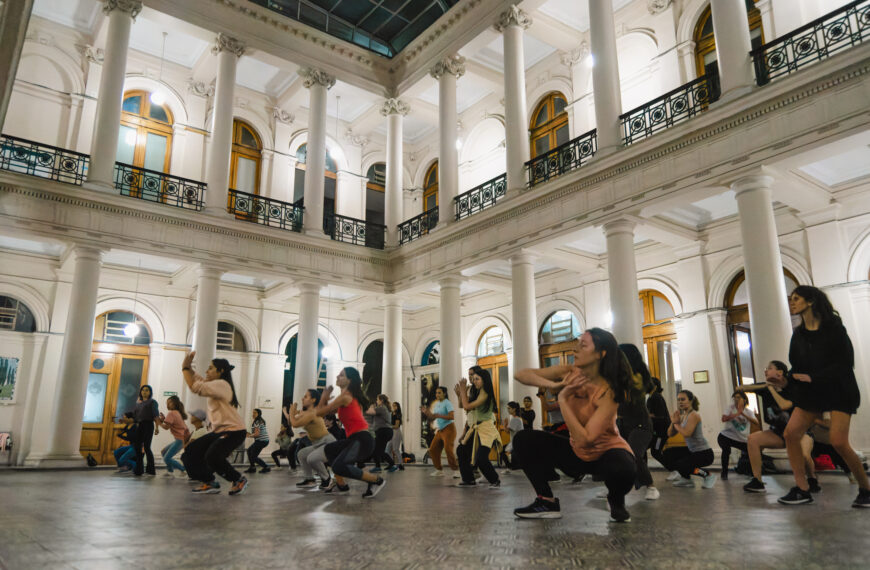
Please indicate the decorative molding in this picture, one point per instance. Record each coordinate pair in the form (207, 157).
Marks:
(395, 106)
(357, 140)
(311, 76)
(452, 64)
(242, 103)
(571, 58)
(131, 7)
(200, 88)
(657, 6)
(93, 54)
(282, 116)
(513, 16)
(40, 37)
(224, 42)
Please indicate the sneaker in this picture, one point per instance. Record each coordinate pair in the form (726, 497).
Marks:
(375, 470)
(754, 486)
(466, 484)
(506, 471)
(325, 483)
(179, 474)
(306, 484)
(239, 487)
(401, 467)
(683, 482)
(392, 468)
(457, 475)
(652, 494)
(436, 473)
(168, 475)
(265, 469)
(251, 469)
(374, 488)
(796, 496)
(862, 501)
(208, 488)
(540, 509)
(674, 476)
(341, 490)
(496, 485)
(618, 513)
(709, 481)
(334, 488)
(814, 485)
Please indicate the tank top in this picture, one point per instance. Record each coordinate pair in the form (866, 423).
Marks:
(695, 442)
(583, 406)
(316, 428)
(351, 417)
(477, 415)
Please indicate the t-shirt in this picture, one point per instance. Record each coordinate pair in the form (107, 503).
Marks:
(198, 433)
(222, 416)
(176, 425)
(528, 417)
(442, 408)
(515, 426)
(397, 417)
(260, 424)
(737, 428)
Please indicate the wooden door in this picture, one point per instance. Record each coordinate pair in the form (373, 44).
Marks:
(554, 355)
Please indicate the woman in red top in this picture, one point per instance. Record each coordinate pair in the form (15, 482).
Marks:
(590, 392)
(359, 445)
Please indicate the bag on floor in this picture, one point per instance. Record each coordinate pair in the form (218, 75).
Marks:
(824, 463)
(91, 461)
(409, 458)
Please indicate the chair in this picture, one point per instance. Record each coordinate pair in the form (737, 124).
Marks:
(239, 455)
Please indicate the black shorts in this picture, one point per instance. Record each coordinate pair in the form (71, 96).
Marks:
(819, 397)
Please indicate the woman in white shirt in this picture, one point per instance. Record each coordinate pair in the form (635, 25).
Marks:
(738, 418)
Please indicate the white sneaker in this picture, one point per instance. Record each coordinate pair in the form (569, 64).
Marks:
(457, 475)
(683, 482)
(602, 493)
(436, 473)
(652, 494)
(709, 481)
(674, 476)
(168, 475)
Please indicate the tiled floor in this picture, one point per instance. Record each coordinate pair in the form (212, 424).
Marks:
(92, 520)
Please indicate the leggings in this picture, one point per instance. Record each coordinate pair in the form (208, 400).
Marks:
(725, 444)
(395, 447)
(444, 439)
(169, 452)
(686, 461)
(254, 452)
(639, 439)
(142, 444)
(466, 468)
(208, 455)
(313, 458)
(540, 452)
(279, 453)
(383, 436)
(343, 454)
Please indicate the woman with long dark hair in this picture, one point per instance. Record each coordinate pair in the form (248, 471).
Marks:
(738, 419)
(379, 416)
(144, 414)
(633, 419)
(395, 447)
(822, 379)
(479, 401)
(260, 435)
(208, 454)
(590, 391)
(312, 458)
(691, 460)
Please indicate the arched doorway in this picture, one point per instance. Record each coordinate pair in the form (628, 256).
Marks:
(372, 373)
(429, 382)
(119, 367)
(492, 358)
(290, 370)
(660, 341)
(145, 135)
(548, 127)
(430, 187)
(556, 341)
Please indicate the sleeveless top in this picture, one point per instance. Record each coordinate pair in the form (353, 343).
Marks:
(352, 419)
(316, 428)
(477, 415)
(695, 442)
(584, 406)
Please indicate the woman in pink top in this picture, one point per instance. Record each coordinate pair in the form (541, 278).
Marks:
(590, 392)
(174, 422)
(209, 453)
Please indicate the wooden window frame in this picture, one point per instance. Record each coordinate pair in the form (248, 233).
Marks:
(144, 124)
(655, 330)
(240, 150)
(553, 123)
(431, 189)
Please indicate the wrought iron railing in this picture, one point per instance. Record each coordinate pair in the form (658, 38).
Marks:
(418, 226)
(815, 41)
(264, 211)
(673, 107)
(480, 197)
(351, 230)
(158, 187)
(564, 158)
(42, 160)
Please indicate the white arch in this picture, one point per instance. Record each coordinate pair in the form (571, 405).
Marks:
(422, 343)
(425, 162)
(661, 285)
(34, 300)
(68, 67)
(859, 258)
(333, 147)
(366, 340)
(143, 308)
(258, 123)
(546, 309)
(557, 84)
(483, 138)
(245, 325)
(692, 10)
(174, 101)
(477, 329)
(324, 334)
(728, 268)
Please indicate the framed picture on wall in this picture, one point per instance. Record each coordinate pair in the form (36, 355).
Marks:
(8, 375)
(701, 377)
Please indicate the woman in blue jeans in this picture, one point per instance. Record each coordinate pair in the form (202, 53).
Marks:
(261, 439)
(174, 422)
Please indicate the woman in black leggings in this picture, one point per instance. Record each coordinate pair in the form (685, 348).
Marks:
(380, 418)
(634, 422)
(738, 419)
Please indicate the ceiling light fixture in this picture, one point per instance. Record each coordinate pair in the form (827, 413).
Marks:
(157, 97)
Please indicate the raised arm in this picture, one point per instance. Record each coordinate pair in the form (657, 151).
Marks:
(600, 421)
(547, 378)
(325, 407)
(187, 369)
(691, 424)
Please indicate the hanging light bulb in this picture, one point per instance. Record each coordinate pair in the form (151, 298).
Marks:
(131, 330)
(157, 97)
(326, 352)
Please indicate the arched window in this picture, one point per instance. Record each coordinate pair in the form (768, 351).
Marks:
(549, 124)
(373, 366)
(290, 371)
(430, 187)
(492, 358)
(705, 42)
(432, 354)
(491, 342)
(230, 338)
(111, 327)
(556, 338)
(329, 179)
(145, 137)
(660, 340)
(15, 316)
(375, 192)
(246, 157)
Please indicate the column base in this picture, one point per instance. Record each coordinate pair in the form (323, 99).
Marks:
(607, 151)
(51, 461)
(315, 232)
(99, 186)
(215, 211)
(734, 93)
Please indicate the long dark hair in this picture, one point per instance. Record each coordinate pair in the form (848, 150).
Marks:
(354, 386)
(819, 304)
(696, 404)
(259, 418)
(224, 368)
(179, 405)
(487, 388)
(314, 394)
(638, 366)
(614, 366)
(150, 389)
(385, 399)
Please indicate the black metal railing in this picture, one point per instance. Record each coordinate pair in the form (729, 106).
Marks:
(673, 107)
(42, 160)
(480, 197)
(159, 187)
(351, 230)
(418, 226)
(564, 158)
(815, 41)
(264, 211)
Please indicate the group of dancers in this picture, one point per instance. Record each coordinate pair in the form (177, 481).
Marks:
(605, 412)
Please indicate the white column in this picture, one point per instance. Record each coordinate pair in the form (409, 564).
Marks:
(220, 148)
(14, 17)
(622, 280)
(392, 360)
(447, 71)
(104, 145)
(524, 320)
(451, 340)
(731, 29)
(306, 341)
(393, 109)
(769, 318)
(318, 83)
(72, 383)
(511, 24)
(205, 321)
(605, 76)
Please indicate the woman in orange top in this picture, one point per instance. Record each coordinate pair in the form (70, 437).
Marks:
(590, 392)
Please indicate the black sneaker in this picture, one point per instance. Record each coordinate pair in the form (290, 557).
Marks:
(325, 483)
(374, 488)
(307, 483)
(754, 486)
(466, 484)
(496, 485)
(862, 501)
(540, 509)
(265, 469)
(618, 513)
(796, 497)
(336, 489)
(251, 469)
(814, 485)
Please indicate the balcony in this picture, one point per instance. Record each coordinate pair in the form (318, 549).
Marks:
(418, 226)
(159, 187)
(564, 158)
(265, 211)
(480, 197)
(352, 230)
(42, 160)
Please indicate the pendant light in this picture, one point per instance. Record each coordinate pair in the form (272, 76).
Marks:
(157, 96)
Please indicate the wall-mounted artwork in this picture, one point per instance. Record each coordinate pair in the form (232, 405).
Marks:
(8, 374)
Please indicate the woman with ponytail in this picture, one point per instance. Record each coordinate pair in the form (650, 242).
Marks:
(697, 454)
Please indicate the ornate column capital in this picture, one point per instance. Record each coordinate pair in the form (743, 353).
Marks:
(657, 6)
(452, 64)
(93, 54)
(395, 106)
(355, 139)
(200, 88)
(282, 116)
(311, 76)
(575, 56)
(131, 7)
(224, 42)
(513, 16)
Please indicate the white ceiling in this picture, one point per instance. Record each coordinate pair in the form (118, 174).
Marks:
(262, 77)
(492, 55)
(845, 167)
(141, 260)
(32, 246)
(247, 280)
(181, 48)
(78, 14)
(573, 13)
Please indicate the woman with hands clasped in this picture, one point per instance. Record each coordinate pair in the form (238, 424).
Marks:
(478, 400)
(590, 392)
(313, 457)
(697, 454)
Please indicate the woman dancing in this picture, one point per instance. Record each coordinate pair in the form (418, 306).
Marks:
(480, 432)
(313, 457)
(697, 454)
(738, 418)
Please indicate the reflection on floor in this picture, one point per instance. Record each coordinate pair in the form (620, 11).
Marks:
(91, 520)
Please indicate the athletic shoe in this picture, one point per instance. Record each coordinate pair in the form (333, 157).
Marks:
(466, 484)
(457, 475)
(392, 468)
(325, 483)
(436, 473)
(342, 490)
(674, 476)
(168, 475)
(709, 481)
(506, 471)
(754, 486)
(336, 489)
(401, 467)
(306, 484)
(179, 474)
(496, 485)
(602, 493)
(652, 494)
(618, 513)
(251, 469)
(796, 496)
(862, 501)
(683, 482)
(374, 488)
(814, 485)
(540, 509)
(481, 480)
(265, 469)
(239, 487)
(208, 488)
(375, 470)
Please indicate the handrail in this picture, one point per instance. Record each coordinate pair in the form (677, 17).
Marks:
(817, 40)
(352, 230)
(155, 186)
(564, 158)
(480, 197)
(45, 161)
(418, 226)
(264, 211)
